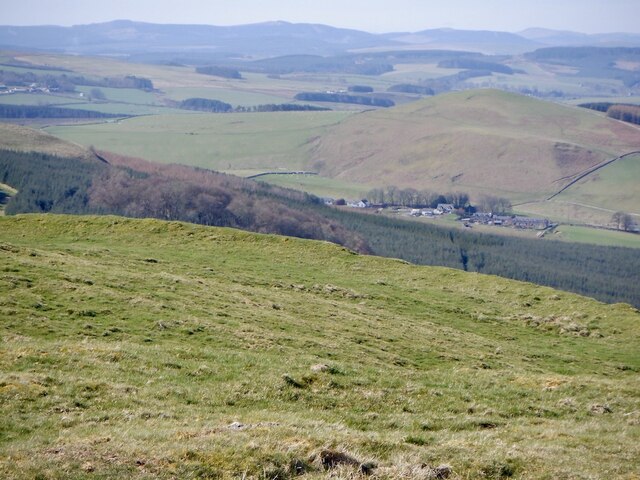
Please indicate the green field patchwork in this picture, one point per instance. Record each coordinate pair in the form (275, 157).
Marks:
(613, 238)
(316, 185)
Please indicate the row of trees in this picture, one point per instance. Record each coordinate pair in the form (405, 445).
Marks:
(412, 198)
(344, 98)
(441, 84)
(620, 111)
(219, 71)
(626, 113)
(216, 106)
(623, 221)
(409, 88)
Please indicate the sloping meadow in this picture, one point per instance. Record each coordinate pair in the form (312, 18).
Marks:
(149, 349)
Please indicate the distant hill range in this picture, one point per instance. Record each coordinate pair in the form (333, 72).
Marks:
(267, 39)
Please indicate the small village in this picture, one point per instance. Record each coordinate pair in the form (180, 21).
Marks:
(32, 88)
(467, 219)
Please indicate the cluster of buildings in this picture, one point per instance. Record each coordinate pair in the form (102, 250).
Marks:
(33, 88)
(479, 218)
(516, 221)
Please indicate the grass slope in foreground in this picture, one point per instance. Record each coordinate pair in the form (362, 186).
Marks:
(146, 349)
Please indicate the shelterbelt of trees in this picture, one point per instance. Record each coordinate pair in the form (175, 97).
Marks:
(44, 111)
(137, 188)
(620, 111)
(68, 82)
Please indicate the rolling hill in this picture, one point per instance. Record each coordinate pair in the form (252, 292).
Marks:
(480, 141)
(129, 37)
(126, 37)
(149, 349)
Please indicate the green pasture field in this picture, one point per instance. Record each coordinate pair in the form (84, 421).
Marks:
(615, 187)
(573, 233)
(37, 71)
(162, 76)
(123, 95)
(226, 142)
(568, 212)
(128, 108)
(416, 72)
(39, 99)
(145, 349)
(317, 185)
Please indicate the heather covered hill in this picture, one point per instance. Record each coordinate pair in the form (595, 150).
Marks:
(150, 349)
(480, 141)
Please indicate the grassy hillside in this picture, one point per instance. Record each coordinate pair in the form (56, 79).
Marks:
(254, 142)
(479, 141)
(14, 137)
(144, 349)
(614, 187)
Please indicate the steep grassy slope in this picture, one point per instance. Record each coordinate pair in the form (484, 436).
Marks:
(479, 141)
(143, 349)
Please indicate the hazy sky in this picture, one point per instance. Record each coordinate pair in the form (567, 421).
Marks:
(589, 16)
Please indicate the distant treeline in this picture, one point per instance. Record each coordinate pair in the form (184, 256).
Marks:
(281, 107)
(408, 88)
(43, 111)
(347, 64)
(360, 89)
(439, 85)
(68, 83)
(344, 98)
(205, 105)
(218, 71)
(137, 188)
(216, 106)
(410, 197)
(473, 64)
(594, 62)
(369, 63)
(620, 111)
